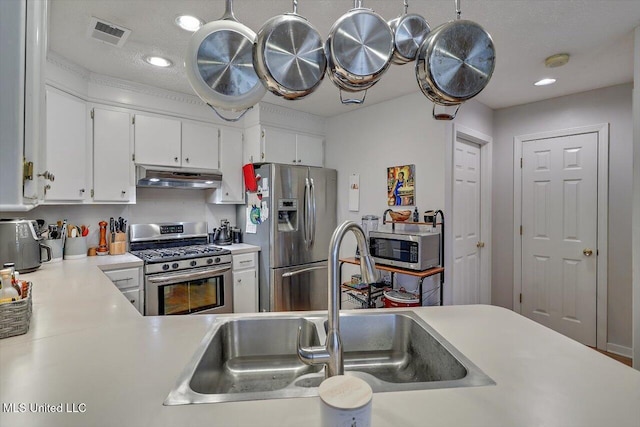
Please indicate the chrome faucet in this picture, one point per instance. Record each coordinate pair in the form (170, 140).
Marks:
(331, 354)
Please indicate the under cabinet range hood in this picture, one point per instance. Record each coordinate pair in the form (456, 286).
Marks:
(189, 179)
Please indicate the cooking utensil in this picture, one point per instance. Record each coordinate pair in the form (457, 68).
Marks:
(219, 65)
(223, 234)
(455, 62)
(288, 55)
(358, 49)
(409, 31)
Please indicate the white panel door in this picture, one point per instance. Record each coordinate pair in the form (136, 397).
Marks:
(466, 223)
(200, 146)
(66, 146)
(157, 141)
(112, 149)
(310, 150)
(559, 218)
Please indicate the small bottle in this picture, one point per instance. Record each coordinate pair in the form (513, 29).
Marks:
(7, 290)
(14, 277)
(416, 215)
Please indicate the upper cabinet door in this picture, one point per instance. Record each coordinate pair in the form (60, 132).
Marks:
(200, 146)
(66, 147)
(310, 150)
(278, 146)
(231, 190)
(112, 163)
(157, 141)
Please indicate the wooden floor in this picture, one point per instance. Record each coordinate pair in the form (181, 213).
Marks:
(621, 359)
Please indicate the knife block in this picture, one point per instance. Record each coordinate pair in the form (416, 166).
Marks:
(117, 243)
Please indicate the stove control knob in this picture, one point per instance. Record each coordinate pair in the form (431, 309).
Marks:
(174, 265)
(217, 260)
(165, 266)
(209, 260)
(192, 263)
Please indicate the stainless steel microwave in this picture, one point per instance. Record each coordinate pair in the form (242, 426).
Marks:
(410, 250)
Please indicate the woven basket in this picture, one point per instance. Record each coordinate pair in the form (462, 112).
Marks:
(15, 316)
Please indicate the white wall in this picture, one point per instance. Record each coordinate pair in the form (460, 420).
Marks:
(397, 132)
(153, 205)
(609, 105)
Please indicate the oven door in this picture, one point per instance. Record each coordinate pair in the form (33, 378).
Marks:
(202, 290)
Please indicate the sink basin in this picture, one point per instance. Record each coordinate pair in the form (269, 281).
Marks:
(255, 358)
(399, 351)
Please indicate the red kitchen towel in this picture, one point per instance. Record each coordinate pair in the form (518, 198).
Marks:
(250, 177)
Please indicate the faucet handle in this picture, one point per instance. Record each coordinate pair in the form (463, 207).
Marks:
(311, 355)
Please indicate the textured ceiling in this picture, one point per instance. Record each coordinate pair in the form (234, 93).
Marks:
(597, 34)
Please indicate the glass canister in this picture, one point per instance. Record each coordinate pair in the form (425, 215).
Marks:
(369, 223)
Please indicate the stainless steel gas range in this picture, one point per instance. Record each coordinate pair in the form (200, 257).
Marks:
(183, 274)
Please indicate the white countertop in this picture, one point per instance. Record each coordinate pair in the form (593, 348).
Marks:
(240, 248)
(88, 345)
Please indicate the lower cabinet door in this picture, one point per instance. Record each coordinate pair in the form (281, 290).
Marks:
(245, 291)
(133, 295)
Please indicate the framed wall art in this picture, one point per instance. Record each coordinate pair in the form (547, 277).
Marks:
(401, 185)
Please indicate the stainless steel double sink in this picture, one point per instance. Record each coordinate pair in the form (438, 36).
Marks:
(255, 358)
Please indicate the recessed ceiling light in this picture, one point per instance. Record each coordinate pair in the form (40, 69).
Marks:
(189, 23)
(158, 61)
(545, 82)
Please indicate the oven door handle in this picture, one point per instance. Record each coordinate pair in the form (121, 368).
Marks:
(167, 279)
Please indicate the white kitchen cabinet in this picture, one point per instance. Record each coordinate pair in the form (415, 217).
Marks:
(129, 281)
(66, 148)
(310, 150)
(163, 141)
(231, 190)
(200, 146)
(265, 144)
(245, 283)
(113, 168)
(157, 140)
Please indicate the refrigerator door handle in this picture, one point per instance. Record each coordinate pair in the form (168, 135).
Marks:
(303, 270)
(312, 214)
(306, 216)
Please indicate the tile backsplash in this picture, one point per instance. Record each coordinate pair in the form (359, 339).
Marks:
(153, 205)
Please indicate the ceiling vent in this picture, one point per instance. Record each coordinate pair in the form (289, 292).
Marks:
(106, 32)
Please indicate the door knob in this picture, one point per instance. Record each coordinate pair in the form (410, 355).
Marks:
(587, 252)
(480, 245)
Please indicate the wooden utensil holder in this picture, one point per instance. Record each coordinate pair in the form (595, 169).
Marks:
(118, 244)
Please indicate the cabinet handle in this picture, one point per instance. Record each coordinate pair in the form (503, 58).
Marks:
(294, 160)
(123, 192)
(226, 194)
(246, 261)
(187, 160)
(132, 301)
(239, 280)
(82, 190)
(175, 159)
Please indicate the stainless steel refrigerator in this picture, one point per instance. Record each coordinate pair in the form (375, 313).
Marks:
(294, 238)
